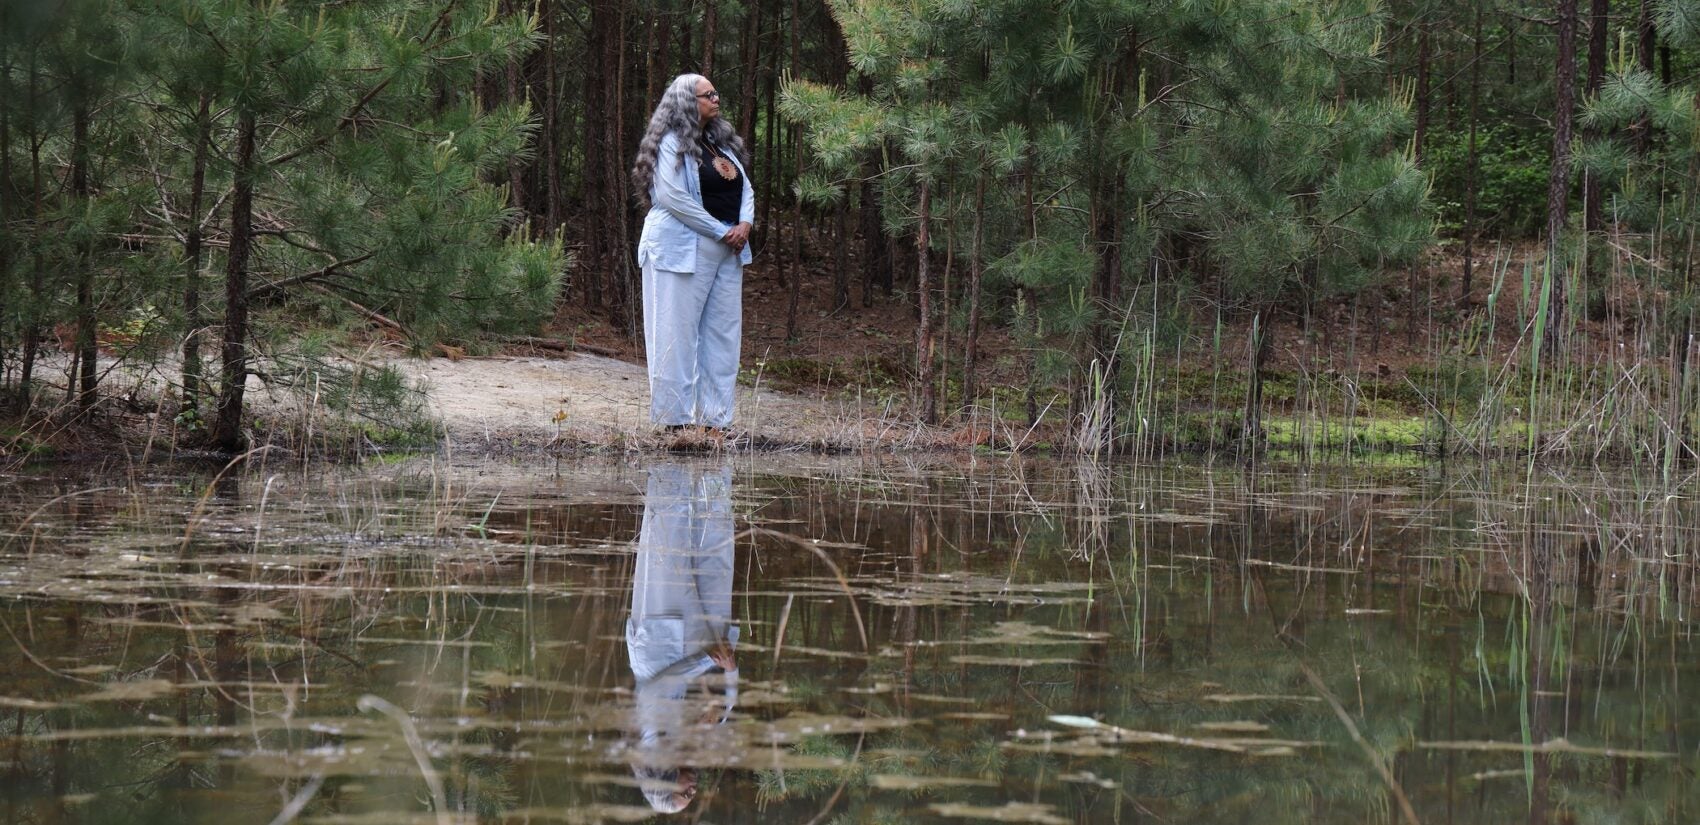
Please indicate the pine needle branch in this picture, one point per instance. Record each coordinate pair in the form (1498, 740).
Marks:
(307, 277)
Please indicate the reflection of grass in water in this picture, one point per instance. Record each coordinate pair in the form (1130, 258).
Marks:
(1443, 560)
(779, 785)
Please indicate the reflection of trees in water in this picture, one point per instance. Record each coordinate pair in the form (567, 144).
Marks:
(1498, 601)
(273, 643)
(1461, 646)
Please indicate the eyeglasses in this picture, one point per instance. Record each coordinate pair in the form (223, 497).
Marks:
(714, 96)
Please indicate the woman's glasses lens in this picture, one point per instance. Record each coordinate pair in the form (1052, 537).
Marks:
(711, 96)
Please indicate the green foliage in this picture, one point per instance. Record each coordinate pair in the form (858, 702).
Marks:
(1657, 193)
(375, 190)
(1679, 20)
(1091, 155)
(1511, 182)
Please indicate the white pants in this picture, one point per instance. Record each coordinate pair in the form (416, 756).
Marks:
(693, 326)
(682, 585)
(681, 604)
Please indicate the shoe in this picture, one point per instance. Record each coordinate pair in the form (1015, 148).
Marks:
(728, 437)
(689, 438)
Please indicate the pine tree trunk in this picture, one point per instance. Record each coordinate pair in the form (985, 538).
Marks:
(1472, 159)
(1251, 427)
(1511, 52)
(874, 257)
(605, 268)
(771, 180)
(795, 282)
(1558, 178)
(1646, 39)
(976, 267)
(837, 75)
(1108, 220)
(1032, 207)
(1030, 392)
(841, 262)
(941, 370)
(38, 287)
(710, 35)
(924, 287)
(227, 429)
(1593, 210)
(8, 197)
(512, 93)
(551, 123)
(659, 30)
(1106, 231)
(86, 348)
(627, 313)
(685, 20)
(1420, 137)
(749, 61)
(192, 241)
(598, 156)
(1032, 228)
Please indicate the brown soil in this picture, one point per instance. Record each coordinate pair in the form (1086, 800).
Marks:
(843, 379)
(1408, 321)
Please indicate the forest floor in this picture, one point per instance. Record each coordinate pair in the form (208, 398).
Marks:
(843, 380)
(852, 365)
(1408, 321)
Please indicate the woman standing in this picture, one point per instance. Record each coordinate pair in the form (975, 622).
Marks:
(695, 242)
(680, 635)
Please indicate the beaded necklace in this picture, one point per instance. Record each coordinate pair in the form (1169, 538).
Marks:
(719, 161)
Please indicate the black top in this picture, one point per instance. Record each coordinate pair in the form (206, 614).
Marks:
(722, 184)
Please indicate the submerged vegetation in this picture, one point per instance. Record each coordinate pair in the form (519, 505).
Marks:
(1008, 641)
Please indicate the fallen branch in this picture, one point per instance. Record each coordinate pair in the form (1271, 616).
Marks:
(559, 345)
(815, 547)
(451, 353)
(1408, 813)
(306, 277)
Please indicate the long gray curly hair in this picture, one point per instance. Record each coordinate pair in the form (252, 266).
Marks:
(677, 113)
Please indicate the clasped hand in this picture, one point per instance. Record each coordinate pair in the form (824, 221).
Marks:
(737, 236)
(722, 656)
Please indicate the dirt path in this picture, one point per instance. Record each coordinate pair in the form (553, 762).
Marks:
(503, 404)
(485, 401)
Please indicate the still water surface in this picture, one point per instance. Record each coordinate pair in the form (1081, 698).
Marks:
(821, 640)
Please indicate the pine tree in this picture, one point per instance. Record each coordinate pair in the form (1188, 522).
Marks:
(1113, 131)
(60, 65)
(330, 160)
(358, 161)
(1653, 161)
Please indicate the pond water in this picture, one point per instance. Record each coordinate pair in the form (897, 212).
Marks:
(814, 640)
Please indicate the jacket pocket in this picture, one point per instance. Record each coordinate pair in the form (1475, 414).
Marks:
(667, 244)
(654, 643)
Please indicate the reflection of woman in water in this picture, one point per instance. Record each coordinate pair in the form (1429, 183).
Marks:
(680, 634)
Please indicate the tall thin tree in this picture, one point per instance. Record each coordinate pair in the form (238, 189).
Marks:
(227, 431)
(193, 242)
(1472, 156)
(1593, 210)
(1558, 173)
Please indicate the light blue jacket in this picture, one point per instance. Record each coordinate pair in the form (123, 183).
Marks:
(682, 595)
(676, 217)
